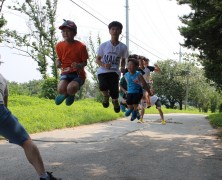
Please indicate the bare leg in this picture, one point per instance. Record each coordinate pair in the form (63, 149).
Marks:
(72, 88)
(62, 87)
(33, 155)
(161, 114)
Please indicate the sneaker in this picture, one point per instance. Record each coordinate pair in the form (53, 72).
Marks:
(70, 100)
(116, 106)
(50, 177)
(123, 108)
(141, 120)
(59, 99)
(134, 115)
(128, 112)
(163, 122)
(138, 115)
(105, 101)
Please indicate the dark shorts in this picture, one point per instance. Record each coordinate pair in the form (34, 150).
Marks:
(158, 104)
(109, 82)
(72, 77)
(133, 98)
(10, 128)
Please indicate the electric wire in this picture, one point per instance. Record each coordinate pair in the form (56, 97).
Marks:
(107, 25)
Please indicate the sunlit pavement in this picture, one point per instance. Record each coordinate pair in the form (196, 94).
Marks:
(185, 148)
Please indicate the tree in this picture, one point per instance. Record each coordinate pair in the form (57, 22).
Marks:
(39, 42)
(2, 21)
(92, 66)
(169, 84)
(202, 31)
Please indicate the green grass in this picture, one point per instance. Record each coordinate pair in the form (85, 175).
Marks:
(38, 115)
(190, 110)
(216, 120)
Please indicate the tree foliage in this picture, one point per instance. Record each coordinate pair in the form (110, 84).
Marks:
(39, 42)
(92, 66)
(202, 30)
(168, 85)
(177, 79)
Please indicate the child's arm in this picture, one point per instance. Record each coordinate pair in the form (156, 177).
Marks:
(123, 64)
(122, 89)
(156, 68)
(58, 63)
(144, 84)
(100, 63)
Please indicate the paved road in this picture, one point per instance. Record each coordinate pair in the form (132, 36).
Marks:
(184, 149)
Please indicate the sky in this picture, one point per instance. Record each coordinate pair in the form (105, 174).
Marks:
(153, 30)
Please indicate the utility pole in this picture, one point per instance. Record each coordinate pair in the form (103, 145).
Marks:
(187, 90)
(127, 24)
(180, 54)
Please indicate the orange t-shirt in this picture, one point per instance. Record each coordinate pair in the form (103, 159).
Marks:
(72, 52)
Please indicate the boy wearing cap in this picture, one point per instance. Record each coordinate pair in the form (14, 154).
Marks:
(11, 129)
(72, 58)
(110, 55)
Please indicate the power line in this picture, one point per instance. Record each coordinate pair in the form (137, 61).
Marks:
(88, 12)
(107, 25)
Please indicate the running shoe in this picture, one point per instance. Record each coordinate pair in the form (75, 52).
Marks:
(134, 115)
(59, 99)
(50, 177)
(105, 101)
(163, 122)
(116, 106)
(128, 112)
(70, 100)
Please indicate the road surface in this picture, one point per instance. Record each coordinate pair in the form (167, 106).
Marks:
(186, 148)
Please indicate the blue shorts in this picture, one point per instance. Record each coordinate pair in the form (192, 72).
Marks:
(10, 128)
(72, 77)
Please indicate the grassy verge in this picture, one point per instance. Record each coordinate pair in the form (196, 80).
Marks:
(38, 115)
(216, 122)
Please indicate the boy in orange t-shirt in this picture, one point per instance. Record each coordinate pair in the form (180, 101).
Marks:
(72, 58)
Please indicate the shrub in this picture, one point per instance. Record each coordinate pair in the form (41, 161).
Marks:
(49, 88)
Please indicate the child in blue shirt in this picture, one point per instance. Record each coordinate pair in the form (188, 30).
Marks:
(135, 81)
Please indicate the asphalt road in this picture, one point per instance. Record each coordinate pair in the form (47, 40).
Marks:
(183, 149)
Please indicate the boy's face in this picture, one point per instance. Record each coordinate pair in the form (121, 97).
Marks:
(68, 34)
(115, 31)
(145, 63)
(131, 67)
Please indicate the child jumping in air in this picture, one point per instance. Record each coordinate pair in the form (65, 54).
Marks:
(72, 58)
(134, 81)
(111, 54)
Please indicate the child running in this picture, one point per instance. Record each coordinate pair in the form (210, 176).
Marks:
(154, 101)
(123, 92)
(72, 58)
(134, 81)
(109, 56)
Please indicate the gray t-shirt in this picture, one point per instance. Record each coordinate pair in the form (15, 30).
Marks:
(3, 89)
(111, 55)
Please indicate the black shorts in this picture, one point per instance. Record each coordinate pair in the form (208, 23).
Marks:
(133, 98)
(109, 82)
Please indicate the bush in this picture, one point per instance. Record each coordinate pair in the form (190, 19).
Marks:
(49, 88)
(220, 108)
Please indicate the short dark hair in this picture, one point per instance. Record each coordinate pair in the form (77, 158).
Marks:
(135, 56)
(134, 61)
(115, 24)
